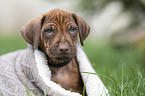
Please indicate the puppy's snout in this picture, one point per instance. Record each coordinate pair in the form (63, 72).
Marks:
(63, 48)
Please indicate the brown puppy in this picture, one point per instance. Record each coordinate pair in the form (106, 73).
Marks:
(56, 33)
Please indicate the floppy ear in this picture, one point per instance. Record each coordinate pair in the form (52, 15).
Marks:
(31, 31)
(84, 28)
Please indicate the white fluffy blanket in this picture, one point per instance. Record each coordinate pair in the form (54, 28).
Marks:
(27, 72)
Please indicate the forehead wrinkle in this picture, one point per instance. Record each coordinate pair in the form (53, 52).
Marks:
(51, 19)
(61, 17)
(57, 19)
(62, 23)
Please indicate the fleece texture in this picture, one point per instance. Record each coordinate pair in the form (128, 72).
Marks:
(27, 72)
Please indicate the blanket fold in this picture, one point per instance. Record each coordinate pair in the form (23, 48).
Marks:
(27, 72)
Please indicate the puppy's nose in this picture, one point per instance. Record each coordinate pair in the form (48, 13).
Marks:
(63, 48)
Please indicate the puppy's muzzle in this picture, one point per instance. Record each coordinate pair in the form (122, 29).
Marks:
(62, 52)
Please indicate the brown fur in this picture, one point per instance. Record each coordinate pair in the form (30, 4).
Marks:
(68, 76)
(56, 33)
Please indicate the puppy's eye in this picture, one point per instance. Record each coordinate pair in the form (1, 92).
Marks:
(72, 29)
(50, 30)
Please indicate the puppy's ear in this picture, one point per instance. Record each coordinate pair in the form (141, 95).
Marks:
(32, 30)
(84, 28)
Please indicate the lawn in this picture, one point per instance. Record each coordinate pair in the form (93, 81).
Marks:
(121, 70)
(11, 43)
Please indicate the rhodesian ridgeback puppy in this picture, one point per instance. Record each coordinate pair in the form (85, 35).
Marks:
(56, 33)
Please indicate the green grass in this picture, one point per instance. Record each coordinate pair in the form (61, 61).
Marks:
(9, 44)
(121, 70)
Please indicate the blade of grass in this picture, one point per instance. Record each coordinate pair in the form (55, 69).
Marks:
(29, 93)
(45, 93)
(1, 93)
(122, 84)
(139, 79)
(100, 75)
(84, 88)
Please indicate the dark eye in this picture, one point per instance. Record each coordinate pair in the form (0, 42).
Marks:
(72, 29)
(50, 30)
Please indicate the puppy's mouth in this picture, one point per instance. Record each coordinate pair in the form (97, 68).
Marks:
(59, 61)
(57, 58)
(63, 58)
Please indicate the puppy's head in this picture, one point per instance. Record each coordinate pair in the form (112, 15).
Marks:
(56, 33)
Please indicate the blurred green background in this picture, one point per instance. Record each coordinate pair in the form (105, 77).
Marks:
(115, 46)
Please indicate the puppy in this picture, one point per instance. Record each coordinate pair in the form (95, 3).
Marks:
(56, 33)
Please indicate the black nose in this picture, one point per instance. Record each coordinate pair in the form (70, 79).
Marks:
(63, 48)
